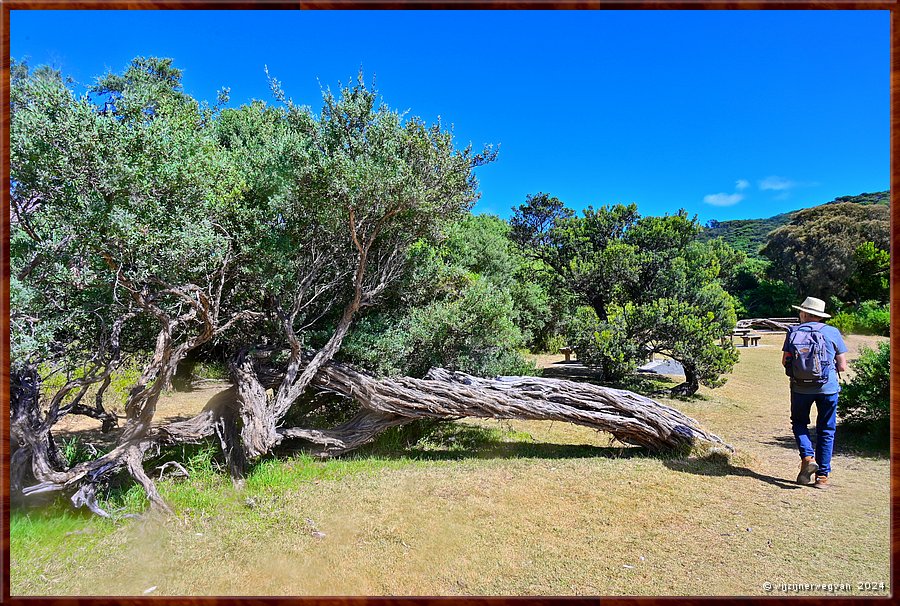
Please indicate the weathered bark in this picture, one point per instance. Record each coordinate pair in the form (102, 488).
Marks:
(134, 461)
(18, 468)
(629, 417)
(32, 428)
(108, 420)
(259, 413)
(358, 431)
(763, 323)
(387, 403)
(257, 410)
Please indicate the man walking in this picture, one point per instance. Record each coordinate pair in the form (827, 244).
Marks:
(813, 355)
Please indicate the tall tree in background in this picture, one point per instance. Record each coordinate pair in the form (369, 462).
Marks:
(816, 252)
(870, 280)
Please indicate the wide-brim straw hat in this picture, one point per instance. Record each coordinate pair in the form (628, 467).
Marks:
(813, 306)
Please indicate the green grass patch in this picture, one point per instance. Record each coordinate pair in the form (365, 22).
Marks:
(49, 526)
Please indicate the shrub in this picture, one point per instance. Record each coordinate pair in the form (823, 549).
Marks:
(603, 345)
(471, 330)
(869, 318)
(844, 322)
(870, 279)
(865, 401)
(875, 318)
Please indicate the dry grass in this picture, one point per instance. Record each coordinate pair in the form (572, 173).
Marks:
(529, 517)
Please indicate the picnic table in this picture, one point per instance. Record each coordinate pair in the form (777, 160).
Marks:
(750, 338)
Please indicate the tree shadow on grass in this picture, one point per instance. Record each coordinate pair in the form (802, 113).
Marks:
(449, 441)
(719, 465)
(848, 441)
(523, 450)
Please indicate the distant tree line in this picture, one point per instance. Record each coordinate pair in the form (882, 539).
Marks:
(838, 251)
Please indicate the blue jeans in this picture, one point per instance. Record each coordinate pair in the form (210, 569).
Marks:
(826, 413)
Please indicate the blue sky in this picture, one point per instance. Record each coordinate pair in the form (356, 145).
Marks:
(728, 114)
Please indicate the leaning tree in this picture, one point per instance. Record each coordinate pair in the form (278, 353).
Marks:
(145, 221)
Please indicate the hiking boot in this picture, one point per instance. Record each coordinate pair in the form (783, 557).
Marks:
(821, 482)
(808, 467)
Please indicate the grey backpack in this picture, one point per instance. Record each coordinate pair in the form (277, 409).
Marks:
(810, 362)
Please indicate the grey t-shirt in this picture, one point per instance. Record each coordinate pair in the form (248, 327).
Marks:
(835, 344)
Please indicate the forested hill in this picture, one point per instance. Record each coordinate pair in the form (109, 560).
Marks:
(749, 235)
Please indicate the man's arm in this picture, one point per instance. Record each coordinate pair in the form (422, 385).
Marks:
(785, 356)
(840, 362)
(840, 351)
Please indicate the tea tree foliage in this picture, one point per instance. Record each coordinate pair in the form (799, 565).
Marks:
(140, 181)
(648, 285)
(147, 225)
(143, 219)
(466, 305)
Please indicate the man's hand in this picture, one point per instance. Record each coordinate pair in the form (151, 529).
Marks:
(840, 362)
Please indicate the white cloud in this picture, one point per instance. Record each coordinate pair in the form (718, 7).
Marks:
(741, 184)
(776, 184)
(723, 199)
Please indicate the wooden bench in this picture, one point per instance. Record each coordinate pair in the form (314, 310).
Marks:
(566, 351)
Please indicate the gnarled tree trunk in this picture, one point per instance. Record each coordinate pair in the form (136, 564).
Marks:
(763, 323)
(442, 394)
(385, 403)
